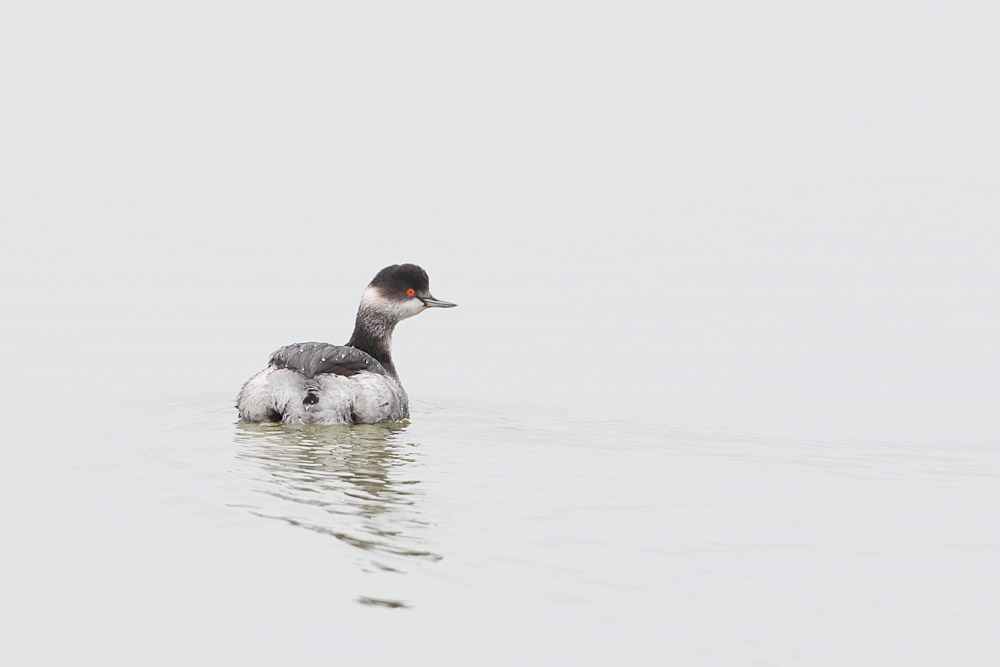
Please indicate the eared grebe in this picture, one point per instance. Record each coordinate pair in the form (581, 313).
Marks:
(319, 383)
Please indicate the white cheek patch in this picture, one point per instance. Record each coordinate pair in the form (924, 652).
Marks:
(372, 299)
(399, 310)
(410, 307)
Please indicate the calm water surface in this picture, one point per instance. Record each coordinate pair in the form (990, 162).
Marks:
(488, 535)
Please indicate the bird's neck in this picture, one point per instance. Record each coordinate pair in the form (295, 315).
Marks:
(373, 334)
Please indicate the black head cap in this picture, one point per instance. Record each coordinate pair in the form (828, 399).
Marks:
(398, 278)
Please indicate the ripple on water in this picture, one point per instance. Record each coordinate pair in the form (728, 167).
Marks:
(364, 485)
(354, 483)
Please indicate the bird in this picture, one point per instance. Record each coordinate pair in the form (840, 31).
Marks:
(356, 383)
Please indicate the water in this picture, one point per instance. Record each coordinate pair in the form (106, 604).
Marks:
(490, 536)
(720, 389)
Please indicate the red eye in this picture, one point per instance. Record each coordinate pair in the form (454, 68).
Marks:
(411, 292)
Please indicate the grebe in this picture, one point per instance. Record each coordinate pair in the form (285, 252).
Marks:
(319, 383)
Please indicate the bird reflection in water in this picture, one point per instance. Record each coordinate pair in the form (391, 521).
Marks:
(351, 482)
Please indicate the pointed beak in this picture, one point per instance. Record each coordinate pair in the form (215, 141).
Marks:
(431, 302)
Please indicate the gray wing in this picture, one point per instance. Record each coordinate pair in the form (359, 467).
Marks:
(311, 359)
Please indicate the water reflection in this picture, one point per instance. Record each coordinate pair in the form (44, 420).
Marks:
(354, 483)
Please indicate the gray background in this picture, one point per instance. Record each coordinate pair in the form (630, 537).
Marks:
(750, 226)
